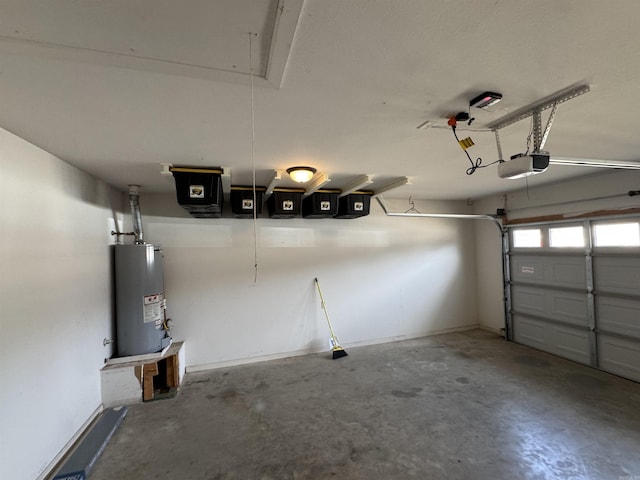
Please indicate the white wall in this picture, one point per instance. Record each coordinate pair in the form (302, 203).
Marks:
(489, 283)
(528, 203)
(55, 303)
(383, 278)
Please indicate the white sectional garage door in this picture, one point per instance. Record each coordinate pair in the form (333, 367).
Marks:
(574, 291)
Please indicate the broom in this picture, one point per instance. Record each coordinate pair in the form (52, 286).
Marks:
(338, 351)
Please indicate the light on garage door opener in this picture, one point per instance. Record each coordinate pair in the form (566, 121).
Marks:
(485, 100)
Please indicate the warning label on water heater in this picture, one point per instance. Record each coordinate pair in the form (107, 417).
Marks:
(153, 308)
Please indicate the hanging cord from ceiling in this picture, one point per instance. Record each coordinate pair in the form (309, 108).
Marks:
(253, 163)
(465, 144)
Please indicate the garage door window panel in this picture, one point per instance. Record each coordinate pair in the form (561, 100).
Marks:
(625, 234)
(527, 238)
(566, 237)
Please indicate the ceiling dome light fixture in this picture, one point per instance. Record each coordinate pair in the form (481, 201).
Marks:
(301, 174)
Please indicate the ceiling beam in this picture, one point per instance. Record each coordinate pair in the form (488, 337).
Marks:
(400, 182)
(320, 180)
(287, 17)
(277, 176)
(356, 184)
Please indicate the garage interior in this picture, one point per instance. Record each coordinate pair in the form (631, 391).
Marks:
(492, 324)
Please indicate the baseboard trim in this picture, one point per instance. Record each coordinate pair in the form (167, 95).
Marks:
(497, 331)
(51, 469)
(298, 353)
(248, 360)
(429, 333)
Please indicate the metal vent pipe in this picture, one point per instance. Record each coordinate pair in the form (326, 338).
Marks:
(136, 217)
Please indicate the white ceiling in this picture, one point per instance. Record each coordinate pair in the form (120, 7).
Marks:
(118, 87)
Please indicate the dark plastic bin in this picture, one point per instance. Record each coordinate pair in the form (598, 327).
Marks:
(321, 204)
(285, 203)
(354, 205)
(199, 191)
(242, 201)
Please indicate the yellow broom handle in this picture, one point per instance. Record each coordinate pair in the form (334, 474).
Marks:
(333, 335)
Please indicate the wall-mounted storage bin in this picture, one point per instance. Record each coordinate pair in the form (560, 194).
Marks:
(199, 190)
(242, 201)
(321, 204)
(285, 203)
(354, 205)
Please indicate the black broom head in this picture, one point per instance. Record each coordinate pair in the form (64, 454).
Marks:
(339, 353)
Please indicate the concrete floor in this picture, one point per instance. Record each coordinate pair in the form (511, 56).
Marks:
(456, 406)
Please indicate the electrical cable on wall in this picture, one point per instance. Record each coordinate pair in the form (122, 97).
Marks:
(253, 164)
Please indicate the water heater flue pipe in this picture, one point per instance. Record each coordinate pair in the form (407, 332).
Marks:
(136, 217)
